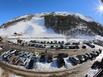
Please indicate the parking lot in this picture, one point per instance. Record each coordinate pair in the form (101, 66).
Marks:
(18, 55)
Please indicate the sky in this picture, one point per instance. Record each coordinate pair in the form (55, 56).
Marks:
(10, 9)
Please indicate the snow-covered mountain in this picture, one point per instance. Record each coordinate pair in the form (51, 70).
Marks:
(54, 23)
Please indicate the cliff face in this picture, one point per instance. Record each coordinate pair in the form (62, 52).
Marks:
(62, 24)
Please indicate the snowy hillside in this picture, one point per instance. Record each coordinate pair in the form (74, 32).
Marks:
(52, 24)
(35, 25)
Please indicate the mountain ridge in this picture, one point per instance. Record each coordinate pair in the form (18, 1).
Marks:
(56, 22)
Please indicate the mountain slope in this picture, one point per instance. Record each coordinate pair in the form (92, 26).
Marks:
(54, 23)
(63, 23)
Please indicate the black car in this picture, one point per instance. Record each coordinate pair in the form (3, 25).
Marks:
(76, 43)
(88, 56)
(62, 55)
(72, 60)
(74, 47)
(60, 59)
(84, 47)
(82, 58)
(31, 63)
(60, 62)
(61, 46)
(96, 53)
(96, 65)
(100, 51)
(90, 45)
(93, 55)
(5, 58)
(46, 58)
(49, 58)
(42, 58)
(67, 43)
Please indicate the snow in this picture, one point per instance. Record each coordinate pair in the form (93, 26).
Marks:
(47, 67)
(92, 72)
(88, 19)
(35, 29)
(19, 17)
(98, 37)
(64, 13)
(35, 25)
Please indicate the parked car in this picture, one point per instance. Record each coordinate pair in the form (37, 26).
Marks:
(31, 63)
(88, 56)
(82, 58)
(60, 59)
(96, 65)
(74, 61)
(74, 47)
(62, 55)
(49, 58)
(60, 62)
(42, 58)
(84, 47)
(90, 45)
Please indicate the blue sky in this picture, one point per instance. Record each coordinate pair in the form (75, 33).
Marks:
(12, 8)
